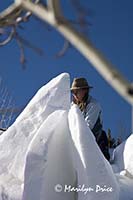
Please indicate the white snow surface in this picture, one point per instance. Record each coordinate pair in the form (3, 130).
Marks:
(49, 153)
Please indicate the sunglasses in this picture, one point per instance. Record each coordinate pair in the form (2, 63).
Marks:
(75, 92)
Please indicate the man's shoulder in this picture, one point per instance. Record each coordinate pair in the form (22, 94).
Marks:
(93, 102)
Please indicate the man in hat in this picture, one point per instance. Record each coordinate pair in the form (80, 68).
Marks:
(91, 111)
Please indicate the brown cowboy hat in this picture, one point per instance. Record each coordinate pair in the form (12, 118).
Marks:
(80, 83)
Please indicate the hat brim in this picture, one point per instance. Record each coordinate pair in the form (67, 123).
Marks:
(85, 87)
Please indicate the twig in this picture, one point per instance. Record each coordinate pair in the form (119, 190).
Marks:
(21, 46)
(64, 49)
(31, 46)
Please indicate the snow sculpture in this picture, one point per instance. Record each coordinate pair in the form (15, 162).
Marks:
(50, 153)
(49, 162)
(92, 168)
(15, 141)
(128, 156)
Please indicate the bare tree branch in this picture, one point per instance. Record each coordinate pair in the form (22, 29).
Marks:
(64, 49)
(22, 55)
(8, 110)
(102, 65)
(9, 36)
(82, 14)
(53, 15)
(23, 42)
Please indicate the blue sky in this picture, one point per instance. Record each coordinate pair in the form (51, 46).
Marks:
(111, 32)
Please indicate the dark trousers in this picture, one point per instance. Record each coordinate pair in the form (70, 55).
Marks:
(102, 142)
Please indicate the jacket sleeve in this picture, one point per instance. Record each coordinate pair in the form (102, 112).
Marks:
(93, 110)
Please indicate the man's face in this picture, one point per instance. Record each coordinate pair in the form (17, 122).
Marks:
(79, 94)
